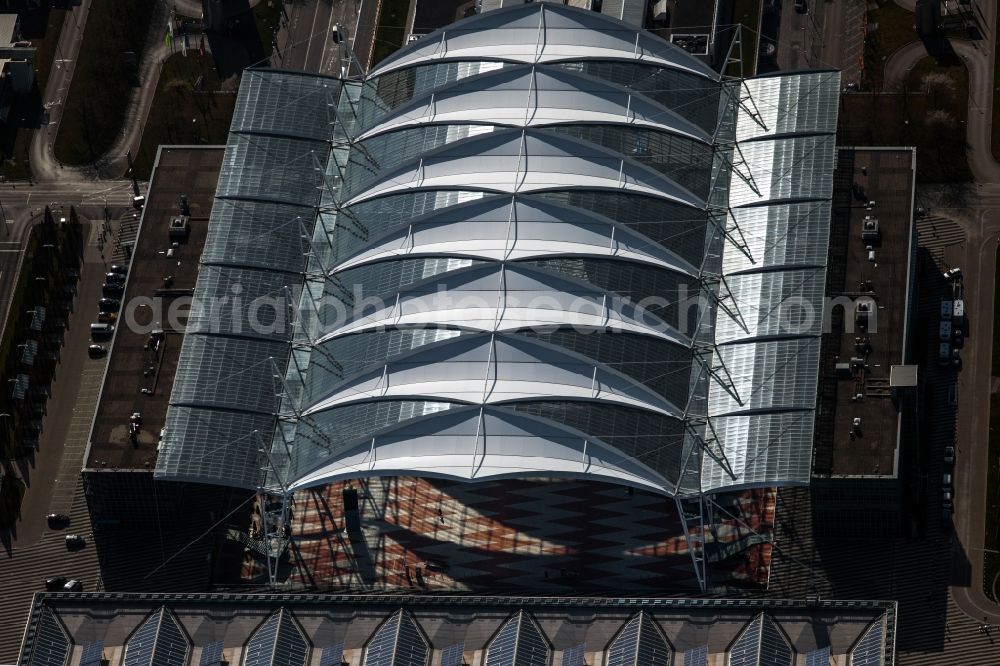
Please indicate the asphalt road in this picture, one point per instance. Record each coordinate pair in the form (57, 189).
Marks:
(828, 35)
(44, 166)
(304, 40)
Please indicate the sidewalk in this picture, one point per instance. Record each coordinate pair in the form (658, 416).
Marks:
(51, 473)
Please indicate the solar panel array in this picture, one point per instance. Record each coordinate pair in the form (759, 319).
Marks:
(211, 654)
(158, 642)
(453, 655)
(92, 654)
(277, 642)
(819, 657)
(639, 643)
(518, 643)
(332, 655)
(52, 645)
(574, 656)
(697, 656)
(868, 650)
(774, 649)
(398, 642)
(761, 644)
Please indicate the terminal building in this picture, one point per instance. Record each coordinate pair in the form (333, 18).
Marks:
(537, 303)
(312, 630)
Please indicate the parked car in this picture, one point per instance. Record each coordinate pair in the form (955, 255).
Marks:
(114, 277)
(75, 541)
(801, 7)
(949, 454)
(118, 268)
(96, 351)
(109, 304)
(106, 317)
(73, 586)
(112, 288)
(952, 273)
(101, 331)
(946, 481)
(946, 500)
(55, 583)
(57, 520)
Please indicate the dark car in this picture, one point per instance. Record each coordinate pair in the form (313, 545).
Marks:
(97, 351)
(112, 288)
(73, 586)
(801, 7)
(57, 520)
(75, 542)
(118, 268)
(55, 583)
(109, 304)
(114, 277)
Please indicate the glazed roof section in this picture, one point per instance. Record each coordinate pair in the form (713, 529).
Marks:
(224, 400)
(543, 34)
(773, 282)
(490, 257)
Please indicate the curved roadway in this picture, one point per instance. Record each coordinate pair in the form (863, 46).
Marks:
(974, 387)
(45, 166)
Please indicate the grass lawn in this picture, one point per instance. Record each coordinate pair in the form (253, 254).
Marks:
(182, 115)
(390, 30)
(895, 27)
(42, 28)
(902, 119)
(10, 500)
(106, 71)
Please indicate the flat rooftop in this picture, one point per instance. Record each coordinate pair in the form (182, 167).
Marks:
(318, 629)
(870, 448)
(139, 379)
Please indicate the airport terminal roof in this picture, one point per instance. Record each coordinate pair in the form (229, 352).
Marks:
(538, 242)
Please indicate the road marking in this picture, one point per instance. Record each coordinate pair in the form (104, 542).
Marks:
(309, 43)
(326, 40)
